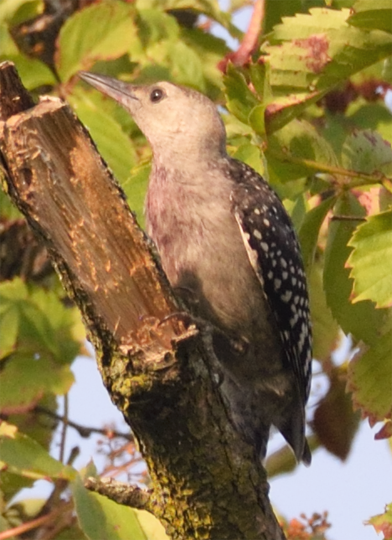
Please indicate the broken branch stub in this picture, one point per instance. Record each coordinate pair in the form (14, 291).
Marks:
(72, 201)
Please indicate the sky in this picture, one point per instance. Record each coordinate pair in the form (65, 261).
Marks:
(351, 492)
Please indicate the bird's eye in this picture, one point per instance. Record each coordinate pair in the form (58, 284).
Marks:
(156, 95)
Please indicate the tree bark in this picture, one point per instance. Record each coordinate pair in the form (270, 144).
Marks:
(160, 371)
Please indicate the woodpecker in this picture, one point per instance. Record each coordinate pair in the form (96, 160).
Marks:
(228, 247)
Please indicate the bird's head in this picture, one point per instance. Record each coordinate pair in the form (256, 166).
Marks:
(177, 121)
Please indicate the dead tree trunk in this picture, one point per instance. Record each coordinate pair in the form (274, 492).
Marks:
(159, 371)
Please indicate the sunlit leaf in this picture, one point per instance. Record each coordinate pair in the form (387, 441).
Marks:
(25, 379)
(38, 425)
(72, 532)
(102, 519)
(310, 228)
(113, 143)
(360, 319)
(101, 31)
(186, 65)
(135, 189)
(9, 326)
(371, 260)
(294, 151)
(33, 72)
(370, 381)
(366, 151)
(9, 8)
(319, 49)
(325, 328)
(370, 14)
(240, 100)
(285, 108)
(211, 50)
(151, 526)
(250, 154)
(210, 8)
(26, 457)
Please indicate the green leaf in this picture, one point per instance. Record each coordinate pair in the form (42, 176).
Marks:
(112, 142)
(11, 484)
(316, 51)
(26, 457)
(151, 526)
(103, 31)
(9, 326)
(256, 119)
(325, 329)
(370, 14)
(45, 325)
(250, 154)
(210, 8)
(362, 319)
(37, 426)
(275, 11)
(309, 232)
(9, 8)
(240, 100)
(72, 532)
(32, 72)
(102, 519)
(370, 381)
(27, 11)
(295, 151)
(12, 295)
(366, 151)
(285, 108)
(156, 31)
(25, 379)
(156, 26)
(186, 65)
(211, 50)
(49, 328)
(371, 260)
(260, 78)
(12, 291)
(64, 321)
(135, 189)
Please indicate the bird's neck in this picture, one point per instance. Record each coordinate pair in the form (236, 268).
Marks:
(187, 154)
(173, 188)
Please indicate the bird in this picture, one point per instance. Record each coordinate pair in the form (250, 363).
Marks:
(230, 251)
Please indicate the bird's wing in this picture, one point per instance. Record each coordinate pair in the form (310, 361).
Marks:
(274, 254)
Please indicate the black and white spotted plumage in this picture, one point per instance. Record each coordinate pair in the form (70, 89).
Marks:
(274, 253)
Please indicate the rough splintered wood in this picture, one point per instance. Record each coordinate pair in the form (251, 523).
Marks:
(14, 98)
(73, 202)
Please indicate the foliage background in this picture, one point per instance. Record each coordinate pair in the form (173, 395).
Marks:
(312, 101)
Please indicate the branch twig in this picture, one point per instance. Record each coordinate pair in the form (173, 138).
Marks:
(119, 492)
(249, 42)
(84, 431)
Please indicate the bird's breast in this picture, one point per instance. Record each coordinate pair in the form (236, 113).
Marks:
(204, 257)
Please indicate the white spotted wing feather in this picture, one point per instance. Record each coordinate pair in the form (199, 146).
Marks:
(274, 254)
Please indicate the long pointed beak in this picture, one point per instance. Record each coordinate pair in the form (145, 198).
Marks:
(118, 90)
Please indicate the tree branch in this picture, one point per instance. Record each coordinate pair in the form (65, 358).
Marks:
(156, 368)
